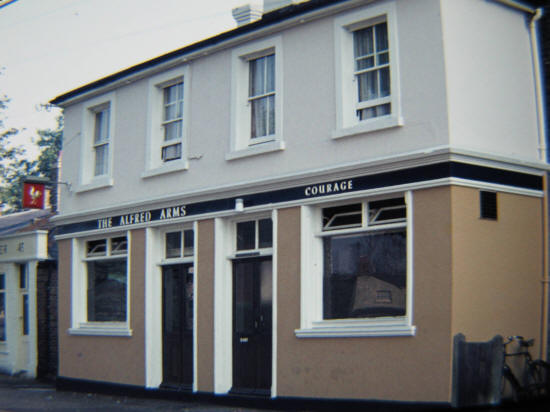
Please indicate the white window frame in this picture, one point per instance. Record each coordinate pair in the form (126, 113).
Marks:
(154, 165)
(312, 324)
(242, 144)
(87, 178)
(79, 295)
(347, 123)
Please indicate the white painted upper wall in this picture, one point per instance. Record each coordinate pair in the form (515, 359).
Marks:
(490, 79)
(428, 79)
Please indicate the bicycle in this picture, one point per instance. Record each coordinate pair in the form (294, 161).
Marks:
(535, 382)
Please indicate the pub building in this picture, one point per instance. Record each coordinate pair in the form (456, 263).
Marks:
(311, 206)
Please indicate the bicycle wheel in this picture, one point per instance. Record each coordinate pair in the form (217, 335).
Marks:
(539, 376)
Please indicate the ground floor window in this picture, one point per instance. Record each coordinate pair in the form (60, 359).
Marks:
(365, 275)
(107, 280)
(357, 268)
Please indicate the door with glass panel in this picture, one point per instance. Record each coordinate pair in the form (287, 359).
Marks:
(177, 313)
(252, 325)
(252, 308)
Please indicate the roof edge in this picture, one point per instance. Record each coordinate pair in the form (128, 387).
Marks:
(268, 19)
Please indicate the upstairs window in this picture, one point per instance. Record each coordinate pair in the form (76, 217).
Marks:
(172, 122)
(101, 140)
(96, 162)
(367, 70)
(167, 122)
(256, 99)
(372, 71)
(261, 96)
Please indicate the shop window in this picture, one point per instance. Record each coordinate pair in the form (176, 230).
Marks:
(100, 287)
(356, 269)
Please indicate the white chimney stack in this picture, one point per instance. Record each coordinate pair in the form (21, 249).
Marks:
(253, 11)
(248, 13)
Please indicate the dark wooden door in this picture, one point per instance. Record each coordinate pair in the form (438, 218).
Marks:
(177, 326)
(252, 325)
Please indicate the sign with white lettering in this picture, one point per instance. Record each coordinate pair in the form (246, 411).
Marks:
(400, 177)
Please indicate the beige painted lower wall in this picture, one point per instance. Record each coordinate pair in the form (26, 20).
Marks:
(497, 267)
(414, 368)
(107, 359)
(205, 306)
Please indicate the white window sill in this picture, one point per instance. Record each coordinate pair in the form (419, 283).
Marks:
(366, 126)
(169, 167)
(354, 329)
(258, 149)
(101, 329)
(96, 183)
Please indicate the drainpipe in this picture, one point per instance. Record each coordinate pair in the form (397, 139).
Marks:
(535, 15)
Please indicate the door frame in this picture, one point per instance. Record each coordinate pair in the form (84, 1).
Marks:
(223, 296)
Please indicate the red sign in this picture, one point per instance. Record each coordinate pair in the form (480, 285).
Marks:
(33, 195)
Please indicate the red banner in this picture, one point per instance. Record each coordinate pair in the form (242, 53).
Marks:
(33, 195)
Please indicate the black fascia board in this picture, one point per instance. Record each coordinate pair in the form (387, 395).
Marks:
(268, 19)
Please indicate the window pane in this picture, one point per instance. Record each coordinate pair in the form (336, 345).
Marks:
(381, 31)
(365, 275)
(387, 210)
(259, 117)
(96, 247)
(271, 114)
(171, 152)
(102, 120)
(173, 245)
(25, 314)
(363, 42)
(340, 217)
(368, 86)
(107, 291)
(23, 278)
(173, 130)
(188, 243)
(101, 153)
(246, 235)
(257, 77)
(2, 316)
(2, 282)
(384, 81)
(270, 73)
(119, 245)
(265, 233)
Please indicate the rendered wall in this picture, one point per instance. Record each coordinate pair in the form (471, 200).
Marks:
(414, 368)
(107, 359)
(308, 116)
(497, 267)
(490, 83)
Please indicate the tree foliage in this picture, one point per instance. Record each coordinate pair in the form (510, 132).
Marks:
(15, 167)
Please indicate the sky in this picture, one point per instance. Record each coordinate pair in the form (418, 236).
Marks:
(49, 47)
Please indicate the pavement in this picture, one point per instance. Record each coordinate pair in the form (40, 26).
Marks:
(27, 395)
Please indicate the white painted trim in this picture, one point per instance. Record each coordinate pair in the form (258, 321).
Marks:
(89, 329)
(223, 308)
(366, 126)
(153, 310)
(274, 305)
(196, 275)
(267, 147)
